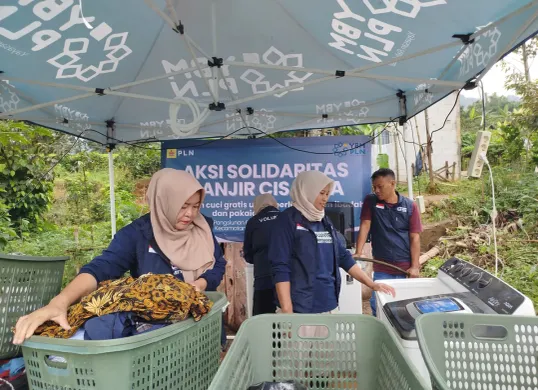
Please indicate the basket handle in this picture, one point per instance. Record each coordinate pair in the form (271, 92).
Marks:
(318, 332)
(56, 364)
(489, 332)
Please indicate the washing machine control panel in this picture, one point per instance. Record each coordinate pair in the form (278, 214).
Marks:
(498, 295)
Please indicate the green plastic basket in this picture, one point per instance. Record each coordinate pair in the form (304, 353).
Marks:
(180, 356)
(26, 284)
(480, 351)
(321, 351)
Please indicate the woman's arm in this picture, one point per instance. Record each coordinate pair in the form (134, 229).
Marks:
(280, 253)
(56, 310)
(352, 268)
(111, 264)
(212, 278)
(117, 259)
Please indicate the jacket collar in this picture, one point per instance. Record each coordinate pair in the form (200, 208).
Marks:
(400, 199)
(297, 217)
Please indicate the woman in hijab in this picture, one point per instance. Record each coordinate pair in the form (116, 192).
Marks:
(255, 248)
(173, 238)
(306, 253)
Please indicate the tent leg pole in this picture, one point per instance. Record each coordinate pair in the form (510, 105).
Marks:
(112, 193)
(409, 162)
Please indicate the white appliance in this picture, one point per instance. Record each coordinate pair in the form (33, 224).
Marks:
(459, 286)
(350, 300)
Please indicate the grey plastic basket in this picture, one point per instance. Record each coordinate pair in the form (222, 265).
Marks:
(321, 351)
(180, 356)
(26, 284)
(480, 351)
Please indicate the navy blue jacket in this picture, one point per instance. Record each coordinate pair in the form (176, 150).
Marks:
(389, 229)
(256, 246)
(129, 251)
(294, 257)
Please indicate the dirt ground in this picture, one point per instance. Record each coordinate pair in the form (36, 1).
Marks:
(432, 232)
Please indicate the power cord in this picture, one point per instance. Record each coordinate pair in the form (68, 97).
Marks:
(322, 153)
(484, 158)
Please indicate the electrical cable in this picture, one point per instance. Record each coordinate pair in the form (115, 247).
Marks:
(61, 158)
(484, 158)
(322, 153)
(448, 116)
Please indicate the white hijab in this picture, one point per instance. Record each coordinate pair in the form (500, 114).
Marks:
(304, 191)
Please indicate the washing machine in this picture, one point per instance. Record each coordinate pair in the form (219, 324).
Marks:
(459, 287)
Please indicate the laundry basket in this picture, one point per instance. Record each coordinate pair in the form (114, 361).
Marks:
(182, 356)
(480, 351)
(26, 284)
(336, 351)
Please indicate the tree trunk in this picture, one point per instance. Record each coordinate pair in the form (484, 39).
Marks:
(526, 63)
(429, 255)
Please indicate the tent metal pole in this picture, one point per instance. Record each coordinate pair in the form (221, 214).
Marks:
(408, 162)
(44, 105)
(112, 193)
(111, 179)
(454, 84)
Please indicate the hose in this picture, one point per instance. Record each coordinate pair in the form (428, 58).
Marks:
(199, 117)
(383, 263)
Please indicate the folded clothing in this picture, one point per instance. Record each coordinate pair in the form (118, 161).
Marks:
(11, 369)
(116, 326)
(153, 298)
(108, 327)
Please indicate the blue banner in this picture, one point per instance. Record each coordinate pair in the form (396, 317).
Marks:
(234, 172)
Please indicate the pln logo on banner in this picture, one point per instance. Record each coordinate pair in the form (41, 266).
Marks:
(171, 153)
(342, 149)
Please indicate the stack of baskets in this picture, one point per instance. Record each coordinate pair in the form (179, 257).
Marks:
(180, 356)
(480, 351)
(320, 351)
(26, 284)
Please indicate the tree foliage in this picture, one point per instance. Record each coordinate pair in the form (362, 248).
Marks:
(140, 161)
(26, 156)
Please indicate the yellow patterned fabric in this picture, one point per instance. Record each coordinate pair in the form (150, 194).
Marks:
(151, 297)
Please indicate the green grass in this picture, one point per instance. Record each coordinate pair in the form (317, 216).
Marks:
(471, 204)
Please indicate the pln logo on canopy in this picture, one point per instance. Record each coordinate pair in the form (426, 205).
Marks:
(342, 149)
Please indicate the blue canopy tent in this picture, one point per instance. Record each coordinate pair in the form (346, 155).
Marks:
(141, 71)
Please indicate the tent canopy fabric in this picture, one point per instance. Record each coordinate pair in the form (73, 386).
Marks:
(148, 70)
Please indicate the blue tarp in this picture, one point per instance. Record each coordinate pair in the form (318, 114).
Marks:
(289, 64)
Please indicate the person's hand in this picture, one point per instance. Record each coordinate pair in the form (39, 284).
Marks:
(384, 288)
(286, 310)
(414, 272)
(26, 325)
(358, 255)
(199, 284)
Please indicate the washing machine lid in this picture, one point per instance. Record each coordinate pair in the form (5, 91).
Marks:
(402, 314)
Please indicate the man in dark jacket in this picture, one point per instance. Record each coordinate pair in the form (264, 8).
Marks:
(255, 249)
(393, 223)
